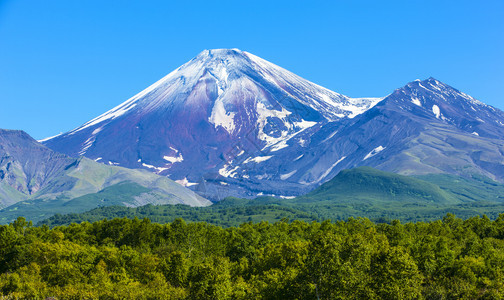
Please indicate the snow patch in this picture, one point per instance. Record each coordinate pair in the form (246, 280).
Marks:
(436, 111)
(49, 138)
(288, 175)
(257, 159)
(374, 152)
(329, 137)
(111, 114)
(158, 169)
(185, 182)
(221, 117)
(173, 159)
(226, 171)
(357, 106)
(87, 144)
(329, 170)
(416, 101)
(475, 133)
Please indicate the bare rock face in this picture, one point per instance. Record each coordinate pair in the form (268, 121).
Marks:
(26, 166)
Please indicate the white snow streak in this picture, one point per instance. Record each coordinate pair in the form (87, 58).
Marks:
(257, 159)
(173, 159)
(374, 152)
(288, 175)
(330, 169)
(185, 182)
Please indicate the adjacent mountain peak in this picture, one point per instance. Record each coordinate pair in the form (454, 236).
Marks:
(14, 133)
(432, 87)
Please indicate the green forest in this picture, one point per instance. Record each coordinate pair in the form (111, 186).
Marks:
(123, 258)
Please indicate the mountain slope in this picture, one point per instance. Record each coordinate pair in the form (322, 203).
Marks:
(32, 175)
(423, 128)
(221, 107)
(229, 123)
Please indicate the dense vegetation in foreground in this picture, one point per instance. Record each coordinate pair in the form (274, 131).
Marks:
(137, 259)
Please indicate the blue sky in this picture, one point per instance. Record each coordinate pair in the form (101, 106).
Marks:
(65, 62)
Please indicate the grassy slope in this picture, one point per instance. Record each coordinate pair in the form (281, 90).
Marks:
(88, 184)
(39, 209)
(360, 192)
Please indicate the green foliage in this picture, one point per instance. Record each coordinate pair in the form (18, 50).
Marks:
(228, 212)
(354, 259)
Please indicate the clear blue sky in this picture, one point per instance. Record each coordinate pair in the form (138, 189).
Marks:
(65, 62)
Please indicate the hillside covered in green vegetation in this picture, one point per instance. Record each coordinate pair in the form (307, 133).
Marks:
(357, 259)
(360, 192)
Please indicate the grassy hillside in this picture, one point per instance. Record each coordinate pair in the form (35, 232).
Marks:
(379, 195)
(360, 192)
(368, 184)
(39, 209)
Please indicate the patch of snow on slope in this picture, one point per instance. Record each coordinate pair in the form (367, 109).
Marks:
(302, 125)
(280, 145)
(111, 114)
(325, 97)
(287, 197)
(257, 159)
(374, 152)
(222, 118)
(185, 182)
(158, 169)
(87, 144)
(48, 138)
(97, 130)
(475, 133)
(288, 175)
(173, 159)
(436, 111)
(359, 105)
(329, 170)
(330, 136)
(416, 101)
(226, 171)
(298, 158)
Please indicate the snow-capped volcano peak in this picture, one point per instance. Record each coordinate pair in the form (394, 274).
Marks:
(230, 79)
(199, 116)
